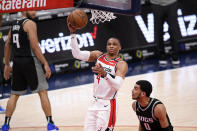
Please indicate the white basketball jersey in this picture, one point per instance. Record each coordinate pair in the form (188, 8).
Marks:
(102, 89)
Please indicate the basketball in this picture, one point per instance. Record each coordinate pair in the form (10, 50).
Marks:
(78, 19)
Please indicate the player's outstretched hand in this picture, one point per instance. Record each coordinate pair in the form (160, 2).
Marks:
(7, 70)
(99, 70)
(71, 28)
(47, 71)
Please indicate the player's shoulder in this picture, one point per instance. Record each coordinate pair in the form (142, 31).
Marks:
(159, 106)
(30, 22)
(122, 63)
(156, 103)
(159, 109)
(120, 60)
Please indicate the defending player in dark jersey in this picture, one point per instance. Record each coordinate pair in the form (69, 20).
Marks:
(150, 111)
(27, 70)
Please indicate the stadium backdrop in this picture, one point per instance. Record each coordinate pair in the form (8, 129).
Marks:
(136, 34)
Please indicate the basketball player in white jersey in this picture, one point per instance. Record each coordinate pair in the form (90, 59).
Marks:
(109, 73)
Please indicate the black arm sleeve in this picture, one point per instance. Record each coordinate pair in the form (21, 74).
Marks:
(169, 128)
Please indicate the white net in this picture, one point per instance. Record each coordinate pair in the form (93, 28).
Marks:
(101, 16)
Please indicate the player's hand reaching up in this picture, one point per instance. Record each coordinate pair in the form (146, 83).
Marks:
(77, 19)
(99, 70)
(71, 28)
(47, 71)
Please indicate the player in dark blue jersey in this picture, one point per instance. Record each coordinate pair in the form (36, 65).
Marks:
(151, 112)
(27, 69)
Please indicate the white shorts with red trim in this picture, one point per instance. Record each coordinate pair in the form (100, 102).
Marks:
(101, 115)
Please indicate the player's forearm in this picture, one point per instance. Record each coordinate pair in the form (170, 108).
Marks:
(7, 53)
(140, 128)
(76, 52)
(165, 125)
(169, 128)
(115, 81)
(39, 55)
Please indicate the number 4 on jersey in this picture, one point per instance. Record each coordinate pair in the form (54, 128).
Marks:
(98, 77)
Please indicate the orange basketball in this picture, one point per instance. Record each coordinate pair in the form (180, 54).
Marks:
(78, 19)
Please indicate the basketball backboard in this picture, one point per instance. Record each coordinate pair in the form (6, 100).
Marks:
(127, 7)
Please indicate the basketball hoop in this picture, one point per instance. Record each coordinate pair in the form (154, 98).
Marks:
(101, 16)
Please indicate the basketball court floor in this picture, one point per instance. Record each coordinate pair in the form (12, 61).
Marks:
(176, 88)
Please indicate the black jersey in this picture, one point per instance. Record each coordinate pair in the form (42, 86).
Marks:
(146, 116)
(19, 39)
(27, 69)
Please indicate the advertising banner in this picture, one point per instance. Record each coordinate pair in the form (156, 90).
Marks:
(136, 34)
(7, 6)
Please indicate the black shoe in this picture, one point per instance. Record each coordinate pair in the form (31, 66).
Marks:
(163, 60)
(175, 60)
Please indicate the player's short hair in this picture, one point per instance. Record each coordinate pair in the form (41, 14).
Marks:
(115, 39)
(145, 86)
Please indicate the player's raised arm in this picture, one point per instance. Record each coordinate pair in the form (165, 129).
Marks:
(85, 55)
(77, 53)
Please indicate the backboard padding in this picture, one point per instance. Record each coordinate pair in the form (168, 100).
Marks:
(128, 7)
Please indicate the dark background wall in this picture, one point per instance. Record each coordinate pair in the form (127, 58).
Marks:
(136, 34)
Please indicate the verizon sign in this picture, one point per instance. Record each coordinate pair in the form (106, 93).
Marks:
(23, 5)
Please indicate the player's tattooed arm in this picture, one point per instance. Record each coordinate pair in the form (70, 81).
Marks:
(160, 114)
